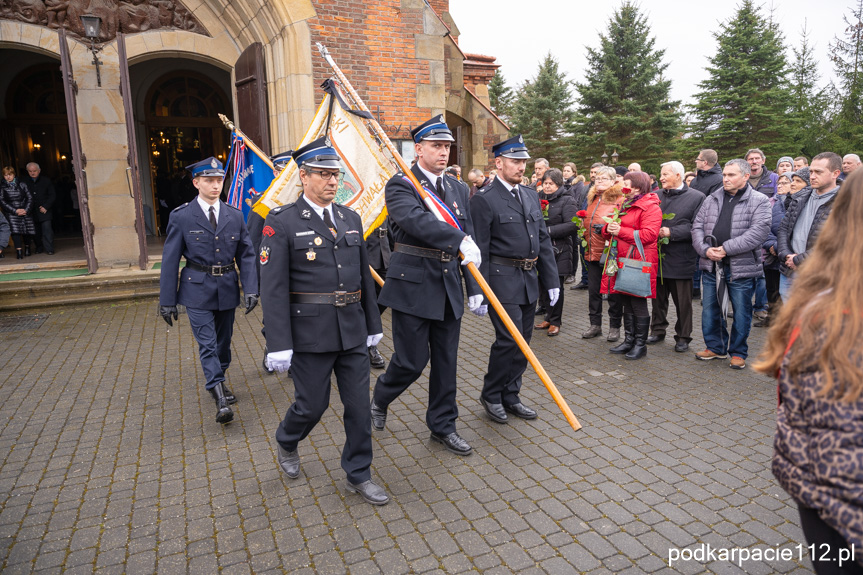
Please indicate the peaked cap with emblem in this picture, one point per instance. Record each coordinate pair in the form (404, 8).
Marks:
(318, 154)
(513, 148)
(209, 167)
(434, 130)
(281, 160)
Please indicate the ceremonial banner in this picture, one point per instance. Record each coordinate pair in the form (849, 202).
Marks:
(251, 174)
(366, 167)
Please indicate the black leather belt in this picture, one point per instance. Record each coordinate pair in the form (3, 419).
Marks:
(215, 271)
(338, 298)
(424, 253)
(526, 265)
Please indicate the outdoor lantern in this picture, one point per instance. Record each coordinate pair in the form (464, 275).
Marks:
(91, 26)
(604, 158)
(614, 157)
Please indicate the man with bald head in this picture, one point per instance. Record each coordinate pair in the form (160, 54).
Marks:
(849, 163)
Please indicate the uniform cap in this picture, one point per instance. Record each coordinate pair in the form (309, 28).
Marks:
(513, 148)
(209, 167)
(318, 154)
(433, 130)
(281, 160)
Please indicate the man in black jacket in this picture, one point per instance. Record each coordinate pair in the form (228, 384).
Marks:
(708, 175)
(679, 258)
(805, 216)
(43, 202)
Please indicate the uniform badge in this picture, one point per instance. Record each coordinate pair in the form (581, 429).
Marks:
(458, 213)
(214, 164)
(455, 205)
(340, 214)
(318, 241)
(265, 255)
(306, 214)
(311, 254)
(269, 231)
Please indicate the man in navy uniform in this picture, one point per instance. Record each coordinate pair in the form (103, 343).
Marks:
(321, 315)
(514, 243)
(212, 236)
(423, 286)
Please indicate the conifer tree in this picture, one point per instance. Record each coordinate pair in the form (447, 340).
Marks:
(542, 111)
(809, 104)
(501, 96)
(847, 56)
(744, 103)
(625, 103)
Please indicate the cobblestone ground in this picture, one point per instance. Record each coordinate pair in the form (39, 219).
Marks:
(111, 462)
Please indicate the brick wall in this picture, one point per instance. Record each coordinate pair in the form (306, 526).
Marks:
(374, 45)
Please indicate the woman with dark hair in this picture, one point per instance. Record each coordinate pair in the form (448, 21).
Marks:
(815, 348)
(559, 209)
(17, 203)
(639, 213)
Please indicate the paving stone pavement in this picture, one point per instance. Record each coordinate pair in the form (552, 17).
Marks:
(111, 462)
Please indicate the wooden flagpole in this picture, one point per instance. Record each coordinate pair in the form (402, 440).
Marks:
(489, 294)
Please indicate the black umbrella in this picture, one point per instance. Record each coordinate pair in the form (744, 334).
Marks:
(721, 288)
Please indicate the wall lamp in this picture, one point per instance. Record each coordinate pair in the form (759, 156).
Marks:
(91, 31)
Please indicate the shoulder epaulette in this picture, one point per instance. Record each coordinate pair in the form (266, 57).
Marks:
(181, 206)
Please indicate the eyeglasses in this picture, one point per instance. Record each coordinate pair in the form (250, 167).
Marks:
(699, 159)
(326, 175)
(603, 180)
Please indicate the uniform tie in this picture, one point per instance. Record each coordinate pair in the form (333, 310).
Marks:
(329, 222)
(439, 187)
(213, 217)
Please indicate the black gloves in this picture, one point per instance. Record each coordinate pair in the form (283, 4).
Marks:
(166, 311)
(251, 302)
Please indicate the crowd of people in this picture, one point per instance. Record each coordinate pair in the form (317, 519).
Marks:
(27, 206)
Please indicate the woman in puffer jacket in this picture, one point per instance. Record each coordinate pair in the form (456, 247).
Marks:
(815, 347)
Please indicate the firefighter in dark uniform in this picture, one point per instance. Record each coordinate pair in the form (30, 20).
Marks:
(212, 236)
(380, 251)
(255, 224)
(423, 286)
(511, 234)
(321, 314)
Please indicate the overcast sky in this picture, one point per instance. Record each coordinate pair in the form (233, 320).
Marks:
(682, 27)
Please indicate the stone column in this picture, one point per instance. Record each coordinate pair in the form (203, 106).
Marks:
(105, 144)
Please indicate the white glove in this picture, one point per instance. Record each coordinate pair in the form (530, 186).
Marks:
(474, 301)
(280, 360)
(553, 294)
(470, 251)
(374, 339)
(480, 311)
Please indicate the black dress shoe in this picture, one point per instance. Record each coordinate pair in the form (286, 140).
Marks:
(224, 414)
(229, 395)
(379, 417)
(289, 461)
(580, 286)
(494, 410)
(370, 491)
(539, 311)
(453, 442)
(265, 366)
(27, 251)
(655, 339)
(50, 253)
(681, 346)
(376, 360)
(520, 410)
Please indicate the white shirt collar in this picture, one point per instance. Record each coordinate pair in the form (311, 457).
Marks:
(320, 210)
(506, 184)
(206, 207)
(431, 177)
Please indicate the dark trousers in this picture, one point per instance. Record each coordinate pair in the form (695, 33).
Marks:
(681, 292)
(555, 313)
(213, 330)
(506, 362)
(772, 279)
(827, 544)
(44, 235)
(594, 298)
(311, 373)
(416, 340)
(635, 305)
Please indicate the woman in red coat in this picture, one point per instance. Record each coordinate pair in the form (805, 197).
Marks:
(640, 212)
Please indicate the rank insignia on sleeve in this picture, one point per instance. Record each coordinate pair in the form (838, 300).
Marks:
(318, 241)
(265, 255)
(269, 231)
(311, 254)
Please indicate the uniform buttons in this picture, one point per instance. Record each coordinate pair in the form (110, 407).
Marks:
(218, 250)
(446, 271)
(531, 235)
(341, 285)
(403, 275)
(217, 237)
(339, 266)
(335, 247)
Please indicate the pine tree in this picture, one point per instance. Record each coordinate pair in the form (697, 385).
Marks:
(744, 102)
(847, 57)
(625, 104)
(501, 96)
(541, 112)
(809, 104)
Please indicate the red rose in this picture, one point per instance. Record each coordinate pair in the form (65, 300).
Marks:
(543, 203)
(627, 191)
(581, 213)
